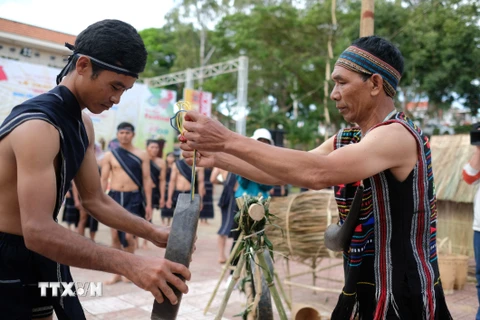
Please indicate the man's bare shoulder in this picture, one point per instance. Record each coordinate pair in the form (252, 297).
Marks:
(159, 162)
(35, 139)
(107, 157)
(392, 140)
(35, 130)
(393, 132)
(142, 154)
(87, 121)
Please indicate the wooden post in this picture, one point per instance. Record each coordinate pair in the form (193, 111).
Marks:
(367, 18)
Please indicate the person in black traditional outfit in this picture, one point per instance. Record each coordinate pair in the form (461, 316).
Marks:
(128, 169)
(227, 205)
(71, 215)
(390, 263)
(180, 182)
(207, 200)
(157, 172)
(47, 141)
(167, 213)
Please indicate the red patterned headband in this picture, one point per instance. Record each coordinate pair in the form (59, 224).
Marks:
(361, 61)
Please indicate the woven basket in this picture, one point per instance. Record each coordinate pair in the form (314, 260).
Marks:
(303, 219)
(461, 271)
(447, 265)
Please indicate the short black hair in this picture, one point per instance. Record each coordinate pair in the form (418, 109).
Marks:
(150, 141)
(382, 49)
(126, 126)
(114, 42)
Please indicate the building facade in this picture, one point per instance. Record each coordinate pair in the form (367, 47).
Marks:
(23, 42)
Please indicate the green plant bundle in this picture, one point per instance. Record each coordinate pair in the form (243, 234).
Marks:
(251, 249)
(255, 237)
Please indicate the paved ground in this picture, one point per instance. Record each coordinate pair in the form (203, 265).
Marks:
(126, 301)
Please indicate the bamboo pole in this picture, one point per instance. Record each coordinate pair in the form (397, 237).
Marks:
(271, 285)
(257, 284)
(282, 291)
(296, 284)
(367, 18)
(224, 270)
(231, 285)
(330, 266)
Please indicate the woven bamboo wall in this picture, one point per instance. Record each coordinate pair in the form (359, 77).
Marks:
(455, 221)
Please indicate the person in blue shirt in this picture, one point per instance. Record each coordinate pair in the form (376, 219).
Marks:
(251, 188)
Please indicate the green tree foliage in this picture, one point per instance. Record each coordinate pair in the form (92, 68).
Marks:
(161, 51)
(287, 50)
(440, 41)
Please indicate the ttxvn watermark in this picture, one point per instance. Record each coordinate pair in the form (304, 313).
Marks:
(71, 289)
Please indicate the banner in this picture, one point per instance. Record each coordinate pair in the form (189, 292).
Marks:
(148, 109)
(200, 100)
(21, 81)
(154, 117)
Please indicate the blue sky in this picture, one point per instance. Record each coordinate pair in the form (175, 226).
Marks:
(72, 16)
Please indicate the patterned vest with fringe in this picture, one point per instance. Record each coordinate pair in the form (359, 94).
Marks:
(391, 269)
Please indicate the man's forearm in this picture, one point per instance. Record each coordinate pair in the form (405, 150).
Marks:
(171, 189)
(64, 246)
(283, 167)
(236, 165)
(162, 189)
(104, 183)
(148, 191)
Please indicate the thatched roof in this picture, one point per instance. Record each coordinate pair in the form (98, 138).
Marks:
(449, 155)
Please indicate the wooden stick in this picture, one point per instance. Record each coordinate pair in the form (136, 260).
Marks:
(273, 290)
(367, 18)
(257, 284)
(295, 284)
(231, 285)
(224, 270)
(282, 291)
(317, 270)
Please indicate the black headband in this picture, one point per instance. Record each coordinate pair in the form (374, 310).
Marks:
(126, 128)
(99, 63)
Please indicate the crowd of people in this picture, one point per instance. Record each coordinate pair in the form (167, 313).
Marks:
(125, 170)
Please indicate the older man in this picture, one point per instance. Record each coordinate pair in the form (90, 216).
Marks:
(391, 269)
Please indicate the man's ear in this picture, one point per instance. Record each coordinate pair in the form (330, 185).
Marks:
(377, 84)
(83, 64)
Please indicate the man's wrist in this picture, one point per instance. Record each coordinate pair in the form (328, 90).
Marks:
(125, 265)
(159, 235)
(230, 140)
(145, 229)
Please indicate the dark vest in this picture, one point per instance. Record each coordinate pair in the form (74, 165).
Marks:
(60, 108)
(391, 266)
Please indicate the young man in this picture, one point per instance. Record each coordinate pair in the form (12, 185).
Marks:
(180, 182)
(45, 143)
(391, 269)
(157, 174)
(128, 168)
